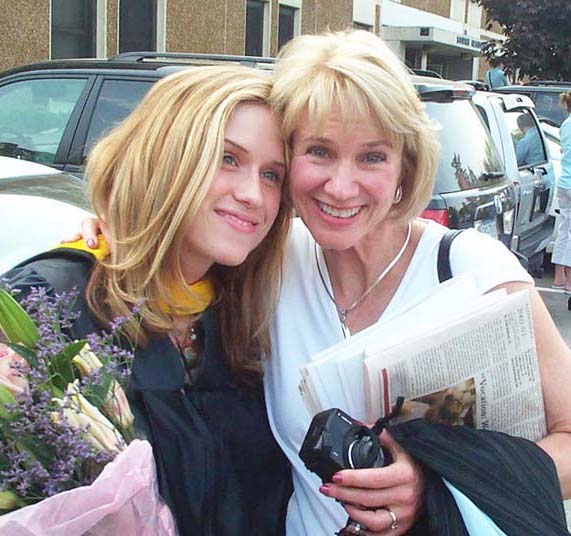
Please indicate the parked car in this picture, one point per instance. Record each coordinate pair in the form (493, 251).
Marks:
(545, 96)
(554, 149)
(53, 113)
(471, 188)
(39, 206)
(518, 137)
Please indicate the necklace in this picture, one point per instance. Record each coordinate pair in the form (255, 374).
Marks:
(343, 312)
(190, 344)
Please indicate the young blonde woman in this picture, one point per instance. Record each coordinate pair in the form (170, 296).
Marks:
(190, 189)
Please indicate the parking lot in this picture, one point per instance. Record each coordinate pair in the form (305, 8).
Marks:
(556, 302)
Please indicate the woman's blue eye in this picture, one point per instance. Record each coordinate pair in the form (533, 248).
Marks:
(374, 158)
(229, 160)
(272, 176)
(319, 152)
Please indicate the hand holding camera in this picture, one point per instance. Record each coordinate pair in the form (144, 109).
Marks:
(335, 442)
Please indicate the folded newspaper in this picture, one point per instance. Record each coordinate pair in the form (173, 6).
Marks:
(456, 356)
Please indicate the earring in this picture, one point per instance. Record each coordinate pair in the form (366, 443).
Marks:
(398, 195)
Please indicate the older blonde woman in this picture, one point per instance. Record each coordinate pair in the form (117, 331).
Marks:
(190, 189)
(363, 160)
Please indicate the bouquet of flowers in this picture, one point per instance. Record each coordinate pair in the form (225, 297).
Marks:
(69, 460)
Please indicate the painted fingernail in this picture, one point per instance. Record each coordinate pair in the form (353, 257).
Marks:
(337, 478)
(325, 489)
(90, 243)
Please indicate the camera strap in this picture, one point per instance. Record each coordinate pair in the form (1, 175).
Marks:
(382, 422)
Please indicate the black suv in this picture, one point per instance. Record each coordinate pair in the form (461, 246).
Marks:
(54, 112)
(545, 96)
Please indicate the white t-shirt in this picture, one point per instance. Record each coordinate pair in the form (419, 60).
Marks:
(306, 323)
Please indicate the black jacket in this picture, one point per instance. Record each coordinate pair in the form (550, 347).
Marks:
(220, 469)
(509, 478)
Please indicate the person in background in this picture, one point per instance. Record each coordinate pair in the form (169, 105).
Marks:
(496, 76)
(561, 256)
(529, 149)
(189, 188)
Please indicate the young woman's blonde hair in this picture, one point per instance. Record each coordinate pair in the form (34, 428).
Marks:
(358, 75)
(147, 180)
(565, 100)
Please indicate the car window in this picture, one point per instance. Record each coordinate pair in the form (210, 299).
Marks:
(526, 138)
(117, 99)
(468, 157)
(34, 115)
(484, 115)
(547, 105)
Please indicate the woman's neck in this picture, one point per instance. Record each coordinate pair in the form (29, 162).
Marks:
(353, 271)
(359, 266)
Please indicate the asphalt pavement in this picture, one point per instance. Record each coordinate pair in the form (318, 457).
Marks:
(557, 302)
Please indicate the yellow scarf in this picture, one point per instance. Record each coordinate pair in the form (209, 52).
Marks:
(201, 292)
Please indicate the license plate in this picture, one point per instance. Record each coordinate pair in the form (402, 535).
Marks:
(489, 227)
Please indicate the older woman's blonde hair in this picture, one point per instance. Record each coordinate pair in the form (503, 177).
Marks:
(147, 180)
(357, 74)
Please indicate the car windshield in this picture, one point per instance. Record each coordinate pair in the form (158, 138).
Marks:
(547, 106)
(468, 157)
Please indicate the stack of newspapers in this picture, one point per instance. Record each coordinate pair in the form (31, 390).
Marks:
(456, 356)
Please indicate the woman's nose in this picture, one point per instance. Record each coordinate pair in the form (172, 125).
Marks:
(249, 189)
(341, 183)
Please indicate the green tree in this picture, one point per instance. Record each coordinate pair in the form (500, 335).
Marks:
(538, 36)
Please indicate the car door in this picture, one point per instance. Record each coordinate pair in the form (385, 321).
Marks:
(38, 115)
(112, 99)
(534, 169)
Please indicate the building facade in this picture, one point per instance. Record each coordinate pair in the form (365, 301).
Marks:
(439, 35)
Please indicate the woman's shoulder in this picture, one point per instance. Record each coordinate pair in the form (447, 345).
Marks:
(299, 244)
(57, 270)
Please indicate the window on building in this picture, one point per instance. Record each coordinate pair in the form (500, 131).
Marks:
(73, 28)
(137, 25)
(255, 23)
(286, 24)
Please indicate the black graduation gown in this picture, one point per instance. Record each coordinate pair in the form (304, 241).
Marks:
(219, 467)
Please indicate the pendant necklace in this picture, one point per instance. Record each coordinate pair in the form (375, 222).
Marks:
(190, 346)
(343, 312)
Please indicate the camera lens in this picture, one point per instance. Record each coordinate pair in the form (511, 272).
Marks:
(359, 453)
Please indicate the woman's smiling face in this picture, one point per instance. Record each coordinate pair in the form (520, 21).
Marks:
(243, 200)
(343, 181)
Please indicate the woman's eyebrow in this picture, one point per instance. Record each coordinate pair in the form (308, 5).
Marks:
(236, 145)
(280, 163)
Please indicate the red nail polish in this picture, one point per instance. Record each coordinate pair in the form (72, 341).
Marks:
(324, 489)
(337, 478)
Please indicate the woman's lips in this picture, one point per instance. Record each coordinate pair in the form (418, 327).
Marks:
(240, 222)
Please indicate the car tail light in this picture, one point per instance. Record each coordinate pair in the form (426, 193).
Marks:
(439, 216)
(509, 216)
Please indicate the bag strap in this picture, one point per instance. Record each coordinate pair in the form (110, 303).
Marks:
(443, 262)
